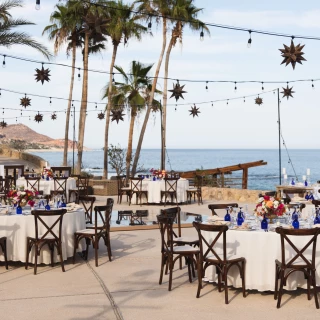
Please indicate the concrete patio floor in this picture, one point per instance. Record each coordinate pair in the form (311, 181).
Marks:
(127, 287)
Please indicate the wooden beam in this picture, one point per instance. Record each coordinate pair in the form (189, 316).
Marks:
(245, 178)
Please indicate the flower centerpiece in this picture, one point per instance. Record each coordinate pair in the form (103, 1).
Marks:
(270, 207)
(22, 196)
(47, 173)
(158, 173)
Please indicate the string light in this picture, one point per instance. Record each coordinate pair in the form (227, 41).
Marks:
(250, 40)
(37, 4)
(96, 106)
(227, 101)
(79, 76)
(235, 87)
(4, 61)
(50, 102)
(113, 78)
(312, 84)
(244, 99)
(207, 86)
(201, 35)
(262, 86)
(149, 24)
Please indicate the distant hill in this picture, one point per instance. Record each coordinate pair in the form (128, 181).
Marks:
(32, 139)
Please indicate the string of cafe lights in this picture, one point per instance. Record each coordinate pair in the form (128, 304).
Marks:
(205, 82)
(208, 24)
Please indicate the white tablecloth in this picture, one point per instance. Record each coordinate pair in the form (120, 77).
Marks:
(154, 189)
(18, 227)
(47, 186)
(260, 249)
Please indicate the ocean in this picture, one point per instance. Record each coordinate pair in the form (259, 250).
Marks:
(260, 178)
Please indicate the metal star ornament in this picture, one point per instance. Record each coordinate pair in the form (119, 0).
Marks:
(3, 124)
(194, 111)
(25, 102)
(42, 75)
(117, 115)
(258, 101)
(287, 92)
(177, 91)
(53, 116)
(101, 115)
(292, 54)
(38, 117)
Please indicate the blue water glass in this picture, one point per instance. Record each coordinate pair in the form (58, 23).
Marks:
(306, 183)
(47, 178)
(154, 179)
(19, 209)
(47, 207)
(295, 223)
(264, 223)
(227, 217)
(293, 183)
(240, 219)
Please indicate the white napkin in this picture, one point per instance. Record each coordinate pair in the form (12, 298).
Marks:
(215, 218)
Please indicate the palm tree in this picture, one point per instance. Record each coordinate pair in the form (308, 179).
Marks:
(9, 37)
(64, 28)
(133, 91)
(186, 11)
(153, 8)
(92, 26)
(122, 26)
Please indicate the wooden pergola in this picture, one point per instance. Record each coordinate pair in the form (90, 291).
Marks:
(227, 170)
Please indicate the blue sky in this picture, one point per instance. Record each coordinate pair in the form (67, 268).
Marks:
(223, 56)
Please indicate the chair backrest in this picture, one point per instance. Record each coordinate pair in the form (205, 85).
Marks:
(87, 203)
(82, 184)
(198, 181)
(33, 183)
(299, 205)
(121, 180)
(171, 184)
(9, 183)
(166, 230)
(2, 184)
(39, 221)
(59, 171)
(14, 170)
(60, 183)
(316, 202)
(104, 213)
(216, 206)
(136, 184)
(175, 214)
(210, 250)
(285, 240)
(110, 202)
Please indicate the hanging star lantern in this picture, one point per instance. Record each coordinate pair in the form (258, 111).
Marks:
(258, 101)
(38, 117)
(292, 54)
(194, 111)
(25, 102)
(42, 75)
(101, 115)
(287, 92)
(177, 91)
(117, 115)
(3, 124)
(155, 108)
(53, 116)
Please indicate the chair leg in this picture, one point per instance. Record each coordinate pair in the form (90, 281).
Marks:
(200, 271)
(170, 271)
(75, 248)
(87, 248)
(243, 279)
(109, 247)
(276, 283)
(5, 253)
(189, 269)
(313, 275)
(59, 247)
(281, 288)
(51, 248)
(27, 255)
(192, 267)
(96, 241)
(225, 280)
(163, 262)
(35, 259)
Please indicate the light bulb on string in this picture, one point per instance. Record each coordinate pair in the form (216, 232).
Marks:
(250, 40)
(227, 101)
(96, 106)
(50, 102)
(262, 87)
(79, 76)
(244, 99)
(0, 93)
(235, 87)
(37, 5)
(175, 109)
(312, 86)
(207, 86)
(149, 24)
(211, 103)
(113, 78)
(4, 61)
(201, 35)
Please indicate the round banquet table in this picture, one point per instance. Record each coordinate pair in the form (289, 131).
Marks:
(47, 185)
(18, 227)
(260, 249)
(154, 189)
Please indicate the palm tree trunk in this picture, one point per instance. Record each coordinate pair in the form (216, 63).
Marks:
(84, 98)
(66, 134)
(154, 85)
(129, 149)
(106, 133)
(165, 98)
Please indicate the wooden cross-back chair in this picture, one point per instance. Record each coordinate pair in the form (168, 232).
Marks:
(123, 189)
(171, 186)
(96, 232)
(87, 203)
(3, 246)
(60, 186)
(59, 171)
(49, 237)
(16, 170)
(296, 262)
(286, 192)
(218, 206)
(34, 184)
(195, 190)
(170, 252)
(210, 257)
(81, 187)
(136, 188)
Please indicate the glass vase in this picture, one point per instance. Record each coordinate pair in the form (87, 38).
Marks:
(264, 223)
